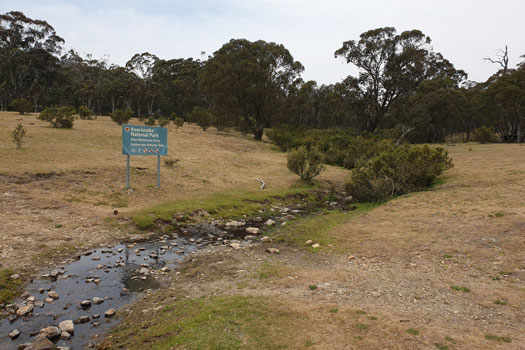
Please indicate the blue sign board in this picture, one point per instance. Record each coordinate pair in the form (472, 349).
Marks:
(138, 140)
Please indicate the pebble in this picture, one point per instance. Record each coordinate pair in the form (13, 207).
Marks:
(50, 332)
(110, 313)
(15, 276)
(65, 335)
(67, 326)
(309, 242)
(85, 304)
(97, 300)
(24, 310)
(52, 294)
(14, 334)
(269, 222)
(253, 230)
(272, 250)
(316, 245)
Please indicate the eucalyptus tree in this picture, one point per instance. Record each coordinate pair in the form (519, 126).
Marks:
(247, 83)
(142, 64)
(391, 67)
(28, 56)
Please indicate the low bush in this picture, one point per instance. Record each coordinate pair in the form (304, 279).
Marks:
(484, 135)
(339, 147)
(85, 113)
(179, 122)
(150, 120)
(397, 171)
(22, 105)
(58, 117)
(307, 163)
(121, 116)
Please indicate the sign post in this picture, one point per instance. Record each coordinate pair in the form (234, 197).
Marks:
(138, 140)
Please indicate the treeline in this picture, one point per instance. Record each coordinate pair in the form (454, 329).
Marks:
(403, 86)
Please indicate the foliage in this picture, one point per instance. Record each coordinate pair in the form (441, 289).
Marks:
(484, 134)
(398, 171)
(150, 120)
(18, 135)
(202, 117)
(391, 68)
(85, 113)
(339, 146)
(163, 121)
(22, 105)
(246, 83)
(179, 122)
(59, 117)
(307, 163)
(121, 116)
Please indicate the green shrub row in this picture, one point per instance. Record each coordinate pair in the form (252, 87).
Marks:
(397, 171)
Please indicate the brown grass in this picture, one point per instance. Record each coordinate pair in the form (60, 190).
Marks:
(407, 254)
(58, 190)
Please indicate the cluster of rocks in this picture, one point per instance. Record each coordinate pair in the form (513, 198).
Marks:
(65, 329)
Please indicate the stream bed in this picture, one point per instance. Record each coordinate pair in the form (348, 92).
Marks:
(108, 278)
(90, 289)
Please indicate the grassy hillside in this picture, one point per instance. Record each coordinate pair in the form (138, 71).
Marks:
(59, 190)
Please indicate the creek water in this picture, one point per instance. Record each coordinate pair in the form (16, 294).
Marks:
(99, 273)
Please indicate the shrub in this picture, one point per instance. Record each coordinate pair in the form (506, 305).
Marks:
(85, 113)
(163, 121)
(307, 163)
(179, 122)
(121, 116)
(150, 121)
(202, 116)
(397, 171)
(22, 105)
(285, 139)
(18, 135)
(59, 117)
(484, 135)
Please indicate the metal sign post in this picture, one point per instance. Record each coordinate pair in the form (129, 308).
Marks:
(138, 140)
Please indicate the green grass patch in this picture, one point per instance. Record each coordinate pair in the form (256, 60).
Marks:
(412, 331)
(232, 204)
(498, 338)
(362, 326)
(317, 227)
(143, 222)
(269, 270)
(9, 288)
(460, 289)
(500, 302)
(334, 310)
(220, 322)
(441, 346)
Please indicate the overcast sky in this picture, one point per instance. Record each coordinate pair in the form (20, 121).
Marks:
(464, 31)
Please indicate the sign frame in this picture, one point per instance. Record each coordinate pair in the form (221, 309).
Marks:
(141, 140)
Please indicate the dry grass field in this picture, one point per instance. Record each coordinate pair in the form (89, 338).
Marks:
(58, 189)
(440, 269)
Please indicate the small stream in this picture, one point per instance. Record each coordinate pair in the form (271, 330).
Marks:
(112, 277)
(117, 275)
